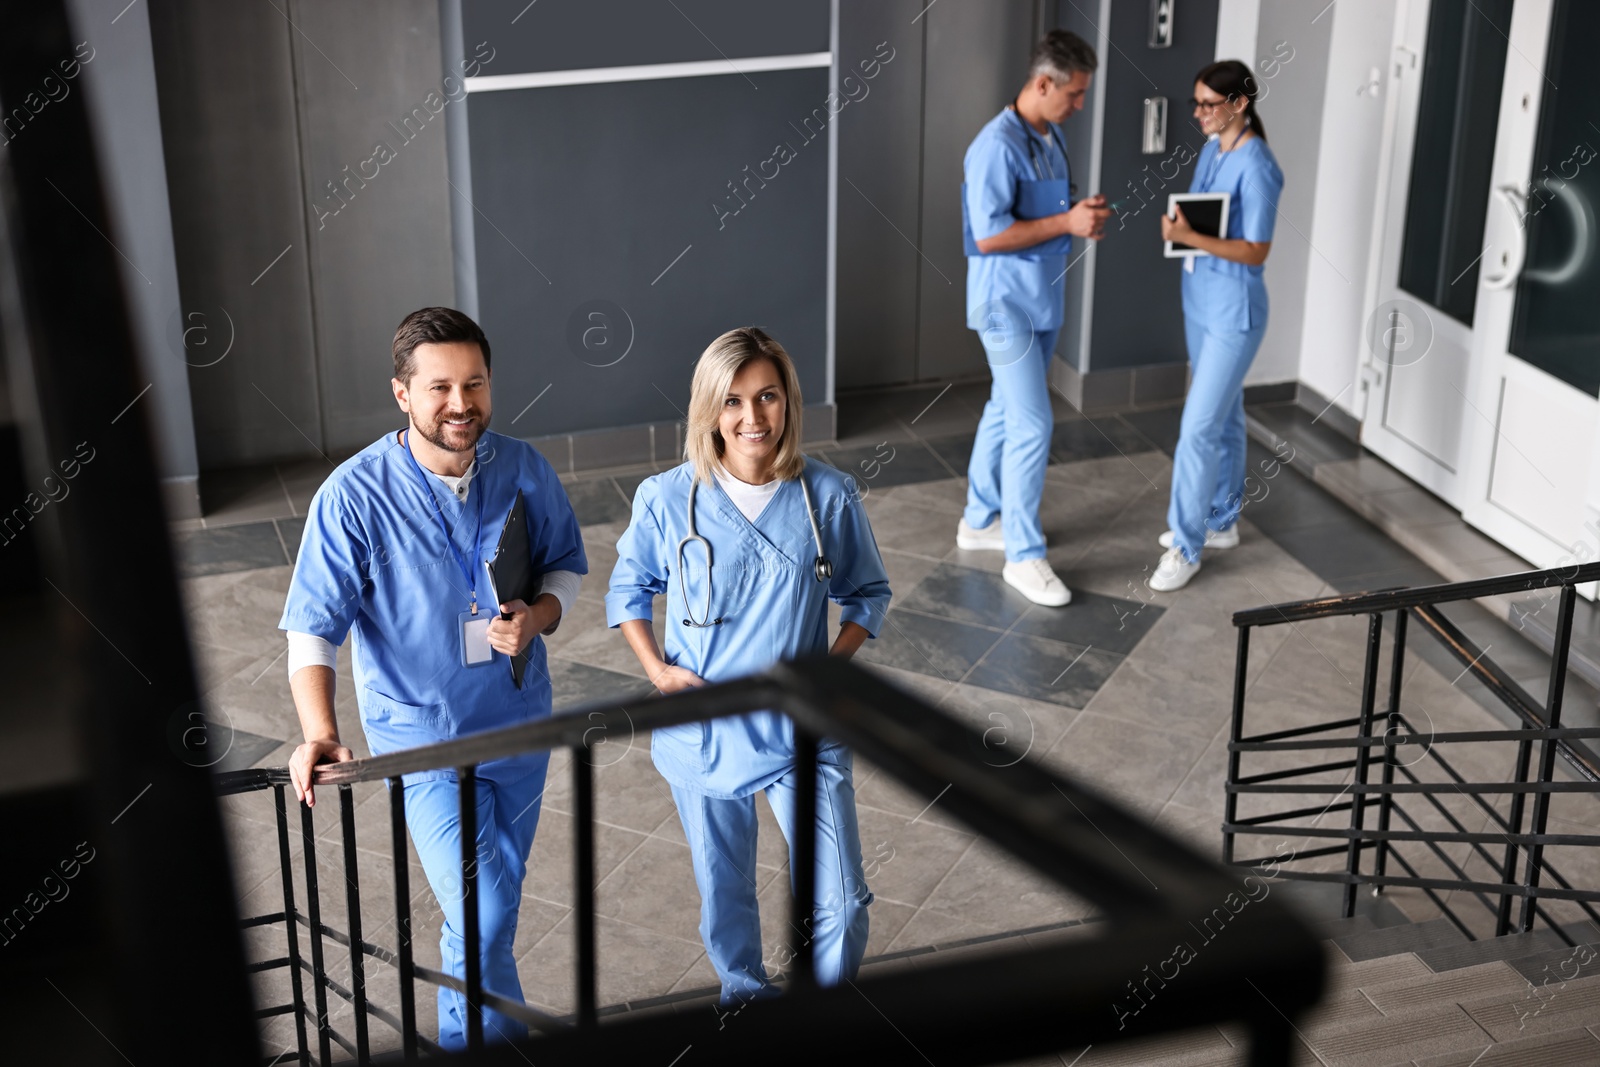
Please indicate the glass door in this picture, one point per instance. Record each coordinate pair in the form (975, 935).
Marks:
(1530, 442)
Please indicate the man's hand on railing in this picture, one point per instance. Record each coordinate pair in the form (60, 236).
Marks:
(305, 759)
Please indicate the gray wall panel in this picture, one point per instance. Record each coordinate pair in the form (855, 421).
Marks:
(124, 109)
(569, 34)
(880, 179)
(380, 232)
(1138, 317)
(977, 55)
(591, 193)
(228, 127)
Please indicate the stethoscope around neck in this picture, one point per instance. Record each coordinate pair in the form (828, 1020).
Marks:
(1033, 149)
(821, 567)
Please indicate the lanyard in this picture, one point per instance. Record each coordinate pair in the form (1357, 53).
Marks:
(461, 561)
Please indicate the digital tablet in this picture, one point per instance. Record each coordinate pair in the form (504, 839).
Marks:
(1207, 213)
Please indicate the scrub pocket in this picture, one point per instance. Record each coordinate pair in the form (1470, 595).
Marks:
(392, 725)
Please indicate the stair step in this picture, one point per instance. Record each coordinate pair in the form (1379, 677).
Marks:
(1430, 1031)
(1467, 983)
(1547, 1009)
(1509, 947)
(1333, 929)
(1204, 1047)
(1560, 964)
(1568, 1048)
(1387, 942)
(1347, 976)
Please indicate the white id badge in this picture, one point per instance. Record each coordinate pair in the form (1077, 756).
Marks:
(475, 648)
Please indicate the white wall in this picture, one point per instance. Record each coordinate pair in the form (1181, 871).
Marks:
(1324, 122)
(1346, 193)
(1291, 59)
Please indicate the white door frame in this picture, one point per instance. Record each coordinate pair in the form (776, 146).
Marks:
(1401, 330)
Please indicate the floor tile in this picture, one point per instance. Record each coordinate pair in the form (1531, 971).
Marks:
(891, 463)
(243, 494)
(1093, 438)
(229, 548)
(955, 451)
(1096, 751)
(1041, 669)
(928, 644)
(966, 595)
(598, 500)
(1336, 552)
(577, 685)
(1110, 624)
(1159, 426)
(290, 531)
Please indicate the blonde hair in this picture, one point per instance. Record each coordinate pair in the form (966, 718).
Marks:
(714, 372)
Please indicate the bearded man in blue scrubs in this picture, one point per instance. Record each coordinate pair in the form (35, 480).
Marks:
(394, 550)
(1020, 220)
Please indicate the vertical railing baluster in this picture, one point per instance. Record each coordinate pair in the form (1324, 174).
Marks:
(472, 948)
(802, 916)
(1230, 799)
(1391, 730)
(290, 924)
(1547, 748)
(402, 916)
(1508, 866)
(1358, 806)
(314, 918)
(352, 896)
(583, 885)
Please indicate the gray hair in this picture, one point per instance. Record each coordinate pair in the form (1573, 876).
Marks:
(1060, 54)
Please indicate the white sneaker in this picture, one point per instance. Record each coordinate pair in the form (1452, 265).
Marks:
(988, 537)
(1173, 572)
(1228, 538)
(1034, 579)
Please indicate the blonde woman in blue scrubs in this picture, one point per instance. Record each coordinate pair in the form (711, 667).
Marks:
(1225, 315)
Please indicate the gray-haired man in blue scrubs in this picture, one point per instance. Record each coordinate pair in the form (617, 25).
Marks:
(1019, 220)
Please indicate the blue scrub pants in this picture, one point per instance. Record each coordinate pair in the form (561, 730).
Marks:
(1208, 465)
(722, 842)
(507, 815)
(1012, 449)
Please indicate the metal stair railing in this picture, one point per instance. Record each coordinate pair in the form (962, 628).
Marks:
(1154, 892)
(1355, 745)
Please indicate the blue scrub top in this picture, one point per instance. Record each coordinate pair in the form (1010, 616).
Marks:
(1218, 294)
(373, 561)
(996, 164)
(763, 587)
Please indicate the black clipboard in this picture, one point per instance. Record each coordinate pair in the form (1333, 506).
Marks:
(511, 572)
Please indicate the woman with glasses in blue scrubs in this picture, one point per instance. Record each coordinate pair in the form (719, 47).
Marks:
(749, 540)
(1225, 316)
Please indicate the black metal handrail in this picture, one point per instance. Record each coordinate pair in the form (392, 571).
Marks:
(1539, 723)
(1155, 893)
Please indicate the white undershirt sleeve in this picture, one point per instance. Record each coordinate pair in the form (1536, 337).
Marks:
(309, 650)
(563, 585)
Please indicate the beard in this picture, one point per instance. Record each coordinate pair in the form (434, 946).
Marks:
(454, 438)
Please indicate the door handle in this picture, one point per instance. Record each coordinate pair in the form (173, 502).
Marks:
(1511, 260)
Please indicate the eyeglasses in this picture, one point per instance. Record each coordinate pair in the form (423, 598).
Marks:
(1209, 105)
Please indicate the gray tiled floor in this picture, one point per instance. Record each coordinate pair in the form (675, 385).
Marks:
(1125, 690)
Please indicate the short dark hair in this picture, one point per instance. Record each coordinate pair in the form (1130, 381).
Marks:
(433, 326)
(1060, 54)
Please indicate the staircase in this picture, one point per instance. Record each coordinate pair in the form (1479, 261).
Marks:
(1417, 994)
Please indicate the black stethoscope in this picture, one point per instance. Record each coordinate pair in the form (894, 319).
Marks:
(1033, 151)
(822, 566)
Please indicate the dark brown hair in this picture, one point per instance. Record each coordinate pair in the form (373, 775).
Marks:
(1233, 79)
(433, 326)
